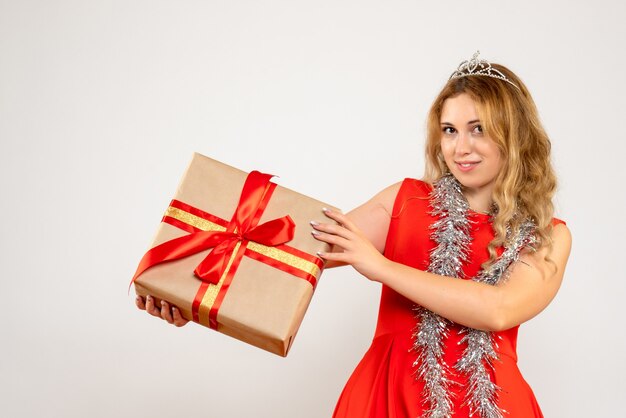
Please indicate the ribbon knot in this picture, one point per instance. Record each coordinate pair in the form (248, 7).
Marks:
(271, 234)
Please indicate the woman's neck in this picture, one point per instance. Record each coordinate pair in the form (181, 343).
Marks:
(479, 200)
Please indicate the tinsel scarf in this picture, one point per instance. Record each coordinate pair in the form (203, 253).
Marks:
(451, 232)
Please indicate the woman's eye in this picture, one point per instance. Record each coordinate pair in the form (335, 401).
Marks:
(448, 130)
(478, 129)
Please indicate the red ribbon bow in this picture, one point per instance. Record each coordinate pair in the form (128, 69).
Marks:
(242, 227)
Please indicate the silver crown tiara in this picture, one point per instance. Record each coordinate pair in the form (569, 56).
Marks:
(477, 66)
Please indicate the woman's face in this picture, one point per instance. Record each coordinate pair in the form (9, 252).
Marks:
(471, 156)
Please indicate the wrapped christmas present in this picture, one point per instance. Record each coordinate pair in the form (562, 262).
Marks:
(234, 252)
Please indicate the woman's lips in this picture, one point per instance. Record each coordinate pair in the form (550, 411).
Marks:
(468, 166)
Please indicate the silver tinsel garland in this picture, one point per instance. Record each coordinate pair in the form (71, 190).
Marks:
(451, 232)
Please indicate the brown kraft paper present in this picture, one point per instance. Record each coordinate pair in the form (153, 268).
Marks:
(261, 296)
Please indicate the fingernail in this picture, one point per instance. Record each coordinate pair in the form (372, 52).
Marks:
(314, 223)
(149, 298)
(325, 210)
(314, 232)
(162, 303)
(321, 253)
(174, 308)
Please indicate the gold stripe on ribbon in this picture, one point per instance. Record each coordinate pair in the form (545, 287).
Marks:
(286, 258)
(193, 220)
(213, 290)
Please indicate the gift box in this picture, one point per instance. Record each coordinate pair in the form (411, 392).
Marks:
(234, 252)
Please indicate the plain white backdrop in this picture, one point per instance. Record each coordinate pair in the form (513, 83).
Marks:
(103, 102)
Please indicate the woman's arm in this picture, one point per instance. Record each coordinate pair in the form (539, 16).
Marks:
(372, 218)
(528, 290)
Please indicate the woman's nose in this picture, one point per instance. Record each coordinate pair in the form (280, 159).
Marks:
(463, 144)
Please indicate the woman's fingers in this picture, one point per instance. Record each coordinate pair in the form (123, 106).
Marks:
(333, 229)
(341, 257)
(341, 218)
(331, 239)
(342, 235)
(166, 313)
(140, 303)
(346, 228)
(179, 321)
(150, 308)
(171, 314)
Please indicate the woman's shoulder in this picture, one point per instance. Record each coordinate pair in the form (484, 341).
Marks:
(417, 186)
(561, 233)
(408, 188)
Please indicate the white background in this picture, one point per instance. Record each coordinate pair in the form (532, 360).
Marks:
(103, 102)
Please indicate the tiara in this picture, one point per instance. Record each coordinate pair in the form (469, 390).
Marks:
(477, 66)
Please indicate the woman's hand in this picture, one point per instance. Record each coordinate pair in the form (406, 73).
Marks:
(358, 251)
(170, 314)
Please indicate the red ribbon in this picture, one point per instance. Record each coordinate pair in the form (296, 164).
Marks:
(242, 227)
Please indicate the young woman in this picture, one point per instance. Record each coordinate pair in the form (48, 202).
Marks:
(464, 256)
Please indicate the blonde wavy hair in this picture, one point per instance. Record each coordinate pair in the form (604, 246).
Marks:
(526, 184)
